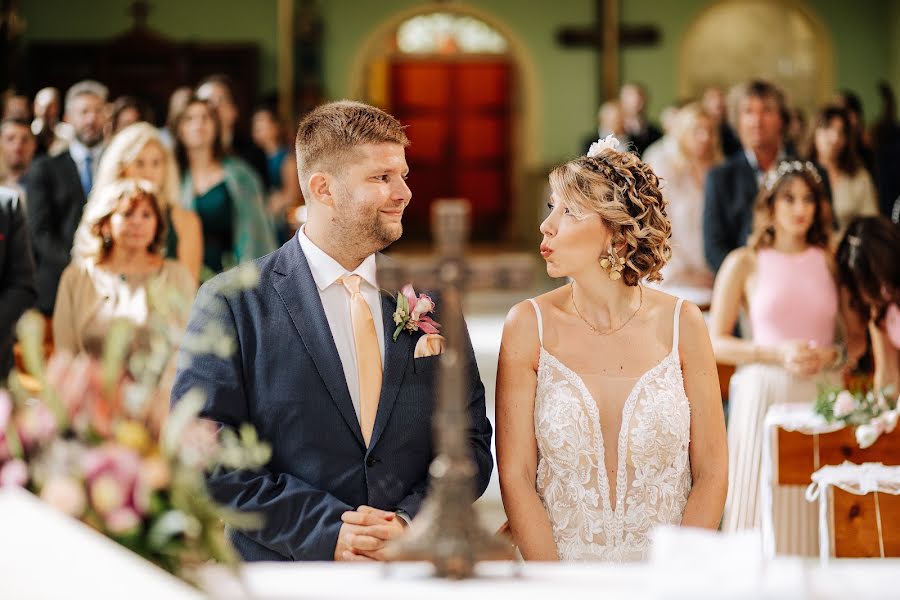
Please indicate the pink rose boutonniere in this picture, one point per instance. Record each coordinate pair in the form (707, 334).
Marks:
(412, 313)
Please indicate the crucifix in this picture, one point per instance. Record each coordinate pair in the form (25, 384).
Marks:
(606, 36)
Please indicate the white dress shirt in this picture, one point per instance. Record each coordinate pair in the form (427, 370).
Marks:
(79, 153)
(327, 273)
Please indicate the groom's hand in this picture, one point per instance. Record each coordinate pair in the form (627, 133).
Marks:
(365, 533)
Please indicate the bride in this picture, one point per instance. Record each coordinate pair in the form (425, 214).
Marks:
(609, 415)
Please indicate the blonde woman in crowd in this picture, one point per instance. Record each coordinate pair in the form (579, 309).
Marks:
(117, 258)
(138, 152)
(682, 166)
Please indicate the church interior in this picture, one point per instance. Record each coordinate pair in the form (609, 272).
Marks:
(494, 94)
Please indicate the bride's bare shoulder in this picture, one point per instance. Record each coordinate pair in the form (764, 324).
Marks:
(523, 315)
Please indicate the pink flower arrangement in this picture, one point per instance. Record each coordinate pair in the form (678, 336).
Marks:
(412, 313)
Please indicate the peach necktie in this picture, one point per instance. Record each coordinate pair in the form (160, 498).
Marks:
(368, 357)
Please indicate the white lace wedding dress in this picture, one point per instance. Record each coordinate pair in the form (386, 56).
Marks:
(653, 475)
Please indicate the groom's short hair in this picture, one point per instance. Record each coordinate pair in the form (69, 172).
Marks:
(327, 136)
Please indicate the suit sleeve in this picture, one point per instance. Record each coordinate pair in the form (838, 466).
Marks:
(17, 286)
(300, 521)
(43, 222)
(717, 242)
(480, 432)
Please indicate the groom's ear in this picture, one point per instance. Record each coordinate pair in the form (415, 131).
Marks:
(320, 188)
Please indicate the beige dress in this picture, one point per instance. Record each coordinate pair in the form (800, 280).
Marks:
(91, 298)
(853, 196)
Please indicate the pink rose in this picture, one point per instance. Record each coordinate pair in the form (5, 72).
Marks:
(107, 494)
(14, 473)
(122, 520)
(424, 305)
(844, 405)
(36, 424)
(66, 495)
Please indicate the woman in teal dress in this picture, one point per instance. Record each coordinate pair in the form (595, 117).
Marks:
(224, 192)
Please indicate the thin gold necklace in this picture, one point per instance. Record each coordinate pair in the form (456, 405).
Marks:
(611, 331)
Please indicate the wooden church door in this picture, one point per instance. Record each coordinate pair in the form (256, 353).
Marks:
(457, 113)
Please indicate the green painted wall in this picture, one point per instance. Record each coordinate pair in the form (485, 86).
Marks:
(865, 36)
(199, 20)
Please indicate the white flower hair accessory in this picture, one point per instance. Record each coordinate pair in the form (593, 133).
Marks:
(789, 167)
(608, 143)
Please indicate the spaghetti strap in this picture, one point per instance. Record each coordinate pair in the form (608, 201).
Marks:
(540, 321)
(675, 326)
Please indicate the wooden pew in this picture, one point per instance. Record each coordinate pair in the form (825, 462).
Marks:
(854, 526)
(797, 452)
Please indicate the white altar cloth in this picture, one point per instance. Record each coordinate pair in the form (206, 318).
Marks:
(784, 578)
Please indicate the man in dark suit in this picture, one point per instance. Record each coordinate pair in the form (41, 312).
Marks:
(758, 112)
(58, 186)
(17, 291)
(346, 408)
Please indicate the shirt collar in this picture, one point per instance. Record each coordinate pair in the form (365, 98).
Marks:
(751, 158)
(79, 151)
(326, 271)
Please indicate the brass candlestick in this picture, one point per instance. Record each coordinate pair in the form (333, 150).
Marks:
(447, 531)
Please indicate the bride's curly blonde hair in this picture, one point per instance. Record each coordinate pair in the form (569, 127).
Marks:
(625, 193)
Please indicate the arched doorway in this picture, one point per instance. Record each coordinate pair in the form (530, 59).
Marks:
(779, 40)
(455, 80)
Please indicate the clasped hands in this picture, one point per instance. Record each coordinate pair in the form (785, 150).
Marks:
(365, 533)
(806, 358)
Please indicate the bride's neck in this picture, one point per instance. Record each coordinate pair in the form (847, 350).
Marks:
(602, 300)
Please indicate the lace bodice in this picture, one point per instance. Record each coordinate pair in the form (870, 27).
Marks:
(653, 476)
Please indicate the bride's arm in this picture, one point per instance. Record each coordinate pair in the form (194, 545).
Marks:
(708, 449)
(516, 443)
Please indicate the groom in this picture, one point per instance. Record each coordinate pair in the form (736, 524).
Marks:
(347, 410)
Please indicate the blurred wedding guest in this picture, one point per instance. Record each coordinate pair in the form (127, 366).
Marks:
(642, 133)
(137, 152)
(17, 147)
(127, 110)
(223, 191)
(218, 90)
(58, 186)
(667, 118)
(783, 278)
(177, 101)
(284, 186)
(17, 107)
(869, 274)
(851, 102)
(757, 110)
(17, 291)
(796, 137)
(714, 103)
(117, 259)
(852, 189)
(52, 134)
(683, 166)
(610, 121)
(885, 135)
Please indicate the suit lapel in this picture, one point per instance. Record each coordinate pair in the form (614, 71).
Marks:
(298, 291)
(396, 359)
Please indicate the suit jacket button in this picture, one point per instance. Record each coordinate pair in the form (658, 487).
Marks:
(370, 462)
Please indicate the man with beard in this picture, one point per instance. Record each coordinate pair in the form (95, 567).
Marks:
(346, 406)
(57, 188)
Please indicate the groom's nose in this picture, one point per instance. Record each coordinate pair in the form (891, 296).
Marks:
(401, 191)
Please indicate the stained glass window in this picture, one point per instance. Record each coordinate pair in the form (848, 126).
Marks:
(446, 33)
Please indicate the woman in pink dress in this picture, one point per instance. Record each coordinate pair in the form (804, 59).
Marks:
(869, 274)
(783, 280)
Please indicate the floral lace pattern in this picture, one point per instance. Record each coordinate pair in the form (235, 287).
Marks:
(653, 476)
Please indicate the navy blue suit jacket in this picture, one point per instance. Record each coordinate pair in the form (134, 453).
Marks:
(286, 379)
(731, 189)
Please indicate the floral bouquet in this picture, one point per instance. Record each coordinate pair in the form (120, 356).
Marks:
(86, 441)
(869, 411)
